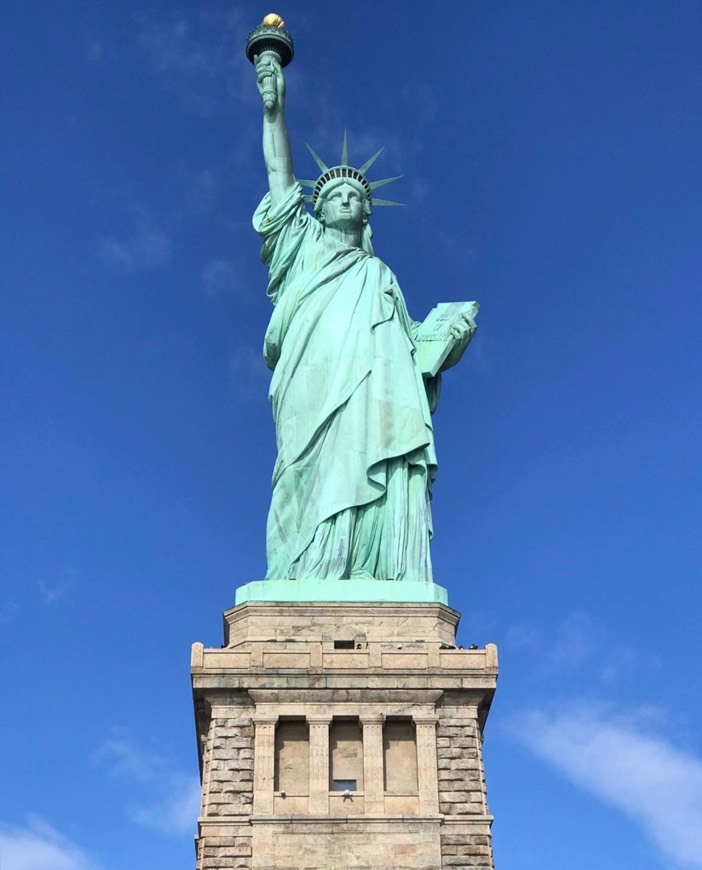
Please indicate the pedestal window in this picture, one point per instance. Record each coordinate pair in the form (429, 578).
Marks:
(400, 756)
(345, 755)
(292, 757)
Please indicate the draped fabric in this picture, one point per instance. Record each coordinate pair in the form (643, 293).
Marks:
(351, 483)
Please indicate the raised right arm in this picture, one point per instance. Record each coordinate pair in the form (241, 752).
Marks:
(276, 147)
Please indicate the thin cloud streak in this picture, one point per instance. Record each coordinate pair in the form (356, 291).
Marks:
(221, 277)
(248, 373)
(198, 59)
(8, 612)
(38, 846)
(571, 647)
(147, 246)
(575, 644)
(176, 812)
(173, 808)
(627, 766)
(52, 591)
(127, 759)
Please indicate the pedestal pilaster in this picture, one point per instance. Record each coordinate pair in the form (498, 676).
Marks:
(373, 764)
(427, 764)
(319, 763)
(264, 771)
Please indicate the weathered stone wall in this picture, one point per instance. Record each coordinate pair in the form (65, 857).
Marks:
(347, 844)
(225, 853)
(465, 848)
(227, 775)
(465, 839)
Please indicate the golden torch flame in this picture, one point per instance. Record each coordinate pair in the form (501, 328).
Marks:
(273, 20)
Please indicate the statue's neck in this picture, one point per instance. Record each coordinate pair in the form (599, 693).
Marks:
(351, 237)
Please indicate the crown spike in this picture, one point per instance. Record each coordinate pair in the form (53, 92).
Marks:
(345, 150)
(317, 159)
(308, 197)
(371, 160)
(386, 202)
(383, 181)
(306, 182)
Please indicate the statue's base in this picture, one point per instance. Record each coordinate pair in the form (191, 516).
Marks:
(342, 734)
(372, 591)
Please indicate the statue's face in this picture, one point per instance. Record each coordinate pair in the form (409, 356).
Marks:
(343, 207)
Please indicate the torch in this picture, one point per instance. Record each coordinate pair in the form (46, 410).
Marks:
(270, 36)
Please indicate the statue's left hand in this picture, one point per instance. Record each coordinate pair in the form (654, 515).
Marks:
(461, 332)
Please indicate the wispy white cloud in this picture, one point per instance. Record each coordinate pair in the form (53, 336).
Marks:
(198, 55)
(176, 811)
(630, 765)
(221, 277)
(126, 758)
(52, 592)
(8, 612)
(38, 846)
(174, 801)
(147, 245)
(248, 371)
(201, 188)
(53, 589)
(575, 646)
(195, 51)
(575, 643)
(423, 100)
(520, 636)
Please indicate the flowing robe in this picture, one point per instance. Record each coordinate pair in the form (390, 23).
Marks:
(351, 483)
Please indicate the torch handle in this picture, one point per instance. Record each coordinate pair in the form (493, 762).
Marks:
(269, 88)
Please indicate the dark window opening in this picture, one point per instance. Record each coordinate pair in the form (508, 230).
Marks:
(344, 644)
(344, 785)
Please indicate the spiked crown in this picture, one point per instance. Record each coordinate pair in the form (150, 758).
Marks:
(349, 173)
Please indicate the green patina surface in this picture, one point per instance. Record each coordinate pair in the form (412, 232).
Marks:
(341, 590)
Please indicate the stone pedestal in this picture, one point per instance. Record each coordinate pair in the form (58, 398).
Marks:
(342, 735)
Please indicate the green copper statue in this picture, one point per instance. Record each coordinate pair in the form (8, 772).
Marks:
(355, 380)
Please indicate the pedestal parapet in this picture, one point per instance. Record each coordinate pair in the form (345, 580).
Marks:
(342, 735)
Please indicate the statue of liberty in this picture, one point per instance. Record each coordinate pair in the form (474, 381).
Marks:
(351, 401)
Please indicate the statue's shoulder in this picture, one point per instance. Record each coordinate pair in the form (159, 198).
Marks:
(272, 217)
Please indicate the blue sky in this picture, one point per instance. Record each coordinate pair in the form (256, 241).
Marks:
(551, 162)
